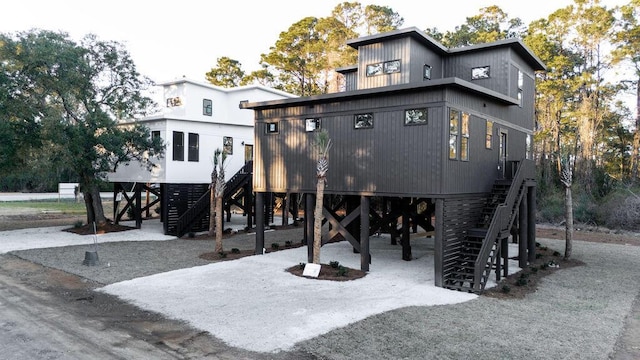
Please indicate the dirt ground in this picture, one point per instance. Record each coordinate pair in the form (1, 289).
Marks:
(77, 295)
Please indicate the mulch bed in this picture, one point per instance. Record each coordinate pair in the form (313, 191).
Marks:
(328, 272)
(100, 229)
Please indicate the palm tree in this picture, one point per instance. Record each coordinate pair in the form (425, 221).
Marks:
(212, 191)
(220, 156)
(322, 144)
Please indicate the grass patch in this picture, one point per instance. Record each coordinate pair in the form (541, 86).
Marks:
(64, 206)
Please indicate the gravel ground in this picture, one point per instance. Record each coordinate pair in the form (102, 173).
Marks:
(577, 313)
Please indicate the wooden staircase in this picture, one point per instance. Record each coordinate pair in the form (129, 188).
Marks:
(233, 191)
(480, 250)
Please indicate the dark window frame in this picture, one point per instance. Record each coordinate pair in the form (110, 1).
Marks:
(272, 128)
(411, 118)
(207, 107)
(178, 146)
(363, 121)
(227, 145)
(194, 147)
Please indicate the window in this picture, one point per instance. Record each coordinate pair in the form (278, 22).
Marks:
(271, 128)
(178, 146)
(207, 107)
(387, 67)
(528, 151)
(464, 139)
(312, 124)
(374, 69)
(489, 139)
(391, 66)
(454, 131)
(194, 147)
(174, 101)
(520, 86)
(426, 72)
(155, 134)
(415, 116)
(363, 121)
(227, 145)
(481, 72)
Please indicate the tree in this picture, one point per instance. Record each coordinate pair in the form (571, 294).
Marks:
(212, 194)
(627, 41)
(379, 19)
(82, 91)
(491, 24)
(219, 159)
(227, 74)
(565, 167)
(322, 144)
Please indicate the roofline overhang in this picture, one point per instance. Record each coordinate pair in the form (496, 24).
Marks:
(452, 82)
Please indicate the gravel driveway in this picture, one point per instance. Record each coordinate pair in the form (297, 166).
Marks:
(577, 313)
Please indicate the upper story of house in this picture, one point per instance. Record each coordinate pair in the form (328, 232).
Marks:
(194, 121)
(410, 56)
(416, 119)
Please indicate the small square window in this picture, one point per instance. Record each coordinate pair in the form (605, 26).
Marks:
(415, 116)
(227, 145)
(481, 72)
(392, 66)
(363, 121)
(207, 107)
(426, 72)
(374, 69)
(312, 124)
(174, 101)
(271, 128)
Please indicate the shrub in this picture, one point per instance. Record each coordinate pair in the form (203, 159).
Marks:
(522, 281)
(275, 246)
(342, 271)
(77, 224)
(235, 251)
(556, 253)
(222, 254)
(506, 289)
(334, 264)
(288, 243)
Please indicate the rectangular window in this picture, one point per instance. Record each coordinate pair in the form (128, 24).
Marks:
(374, 69)
(178, 146)
(464, 140)
(207, 107)
(155, 134)
(528, 151)
(271, 128)
(312, 124)
(481, 72)
(454, 131)
(363, 121)
(520, 86)
(227, 145)
(426, 72)
(415, 116)
(174, 101)
(194, 147)
(489, 140)
(392, 66)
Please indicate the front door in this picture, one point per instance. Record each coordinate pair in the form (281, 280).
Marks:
(502, 162)
(248, 153)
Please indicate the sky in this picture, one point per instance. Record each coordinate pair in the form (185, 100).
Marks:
(185, 38)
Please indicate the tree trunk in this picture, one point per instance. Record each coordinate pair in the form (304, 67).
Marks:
(93, 205)
(568, 209)
(212, 210)
(317, 225)
(219, 229)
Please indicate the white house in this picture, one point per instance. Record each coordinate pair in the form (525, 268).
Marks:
(196, 119)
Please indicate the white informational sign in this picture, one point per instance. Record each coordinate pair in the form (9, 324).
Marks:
(311, 270)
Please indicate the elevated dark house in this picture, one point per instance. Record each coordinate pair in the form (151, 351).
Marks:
(423, 132)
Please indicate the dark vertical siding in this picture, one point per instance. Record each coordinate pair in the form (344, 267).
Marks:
(460, 66)
(375, 53)
(420, 56)
(389, 159)
(351, 81)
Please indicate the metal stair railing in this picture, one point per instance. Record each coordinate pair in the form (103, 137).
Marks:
(193, 214)
(502, 218)
(238, 180)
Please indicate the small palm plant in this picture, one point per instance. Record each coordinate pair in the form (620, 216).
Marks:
(322, 144)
